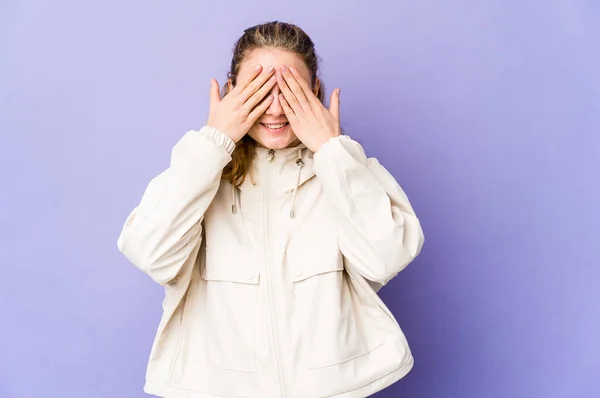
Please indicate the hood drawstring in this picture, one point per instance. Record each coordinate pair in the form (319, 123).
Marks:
(299, 162)
(234, 189)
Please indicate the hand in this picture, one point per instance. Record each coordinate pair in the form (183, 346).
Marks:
(312, 123)
(237, 112)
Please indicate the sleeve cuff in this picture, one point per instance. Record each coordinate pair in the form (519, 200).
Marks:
(219, 138)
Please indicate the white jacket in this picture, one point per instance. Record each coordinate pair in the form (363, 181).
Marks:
(271, 288)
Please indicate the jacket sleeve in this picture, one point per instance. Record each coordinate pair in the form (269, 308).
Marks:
(165, 229)
(379, 232)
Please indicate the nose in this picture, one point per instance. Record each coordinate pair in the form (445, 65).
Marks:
(275, 108)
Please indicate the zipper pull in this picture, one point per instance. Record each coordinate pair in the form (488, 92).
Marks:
(270, 154)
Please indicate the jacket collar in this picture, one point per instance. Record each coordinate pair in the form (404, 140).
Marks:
(283, 161)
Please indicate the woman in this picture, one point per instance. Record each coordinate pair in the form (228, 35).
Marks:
(271, 233)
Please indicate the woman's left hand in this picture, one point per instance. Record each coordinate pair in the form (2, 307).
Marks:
(312, 123)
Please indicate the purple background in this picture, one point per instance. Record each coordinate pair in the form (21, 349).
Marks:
(487, 112)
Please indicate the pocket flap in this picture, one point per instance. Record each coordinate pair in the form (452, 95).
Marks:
(315, 259)
(226, 266)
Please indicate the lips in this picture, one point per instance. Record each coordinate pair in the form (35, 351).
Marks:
(275, 126)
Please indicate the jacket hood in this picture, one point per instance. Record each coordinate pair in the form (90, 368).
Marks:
(295, 163)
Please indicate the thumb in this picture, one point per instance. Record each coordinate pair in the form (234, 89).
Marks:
(215, 96)
(334, 104)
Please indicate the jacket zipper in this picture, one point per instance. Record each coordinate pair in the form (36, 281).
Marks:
(266, 237)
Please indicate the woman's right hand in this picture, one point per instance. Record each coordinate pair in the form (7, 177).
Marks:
(237, 112)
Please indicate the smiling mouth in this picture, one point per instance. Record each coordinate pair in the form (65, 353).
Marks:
(273, 126)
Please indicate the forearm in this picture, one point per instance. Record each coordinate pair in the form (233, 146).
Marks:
(157, 234)
(379, 231)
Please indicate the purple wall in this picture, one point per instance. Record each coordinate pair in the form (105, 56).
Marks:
(487, 112)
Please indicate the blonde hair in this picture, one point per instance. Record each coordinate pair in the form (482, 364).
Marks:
(279, 35)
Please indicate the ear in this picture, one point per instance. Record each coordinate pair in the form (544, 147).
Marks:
(229, 85)
(316, 86)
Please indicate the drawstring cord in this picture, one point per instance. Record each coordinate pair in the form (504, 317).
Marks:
(233, 201)
(300, 165)
(299, 162)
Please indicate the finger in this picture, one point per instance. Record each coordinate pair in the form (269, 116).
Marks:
(215, 97)
(334, 104)
(256, 84)
(287, 109)
(241, 85)
(260, 94)
(289, 97)
(295, 88)
(260, 109)
(306, 89)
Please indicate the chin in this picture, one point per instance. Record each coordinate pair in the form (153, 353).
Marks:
(279, 144)
(274, 141)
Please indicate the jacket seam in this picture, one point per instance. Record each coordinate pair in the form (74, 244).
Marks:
(151, 212)
(159, 201)
(404, 363)
(341, 175)
(347, 187)
(160, 198)
(177, 348)
(195, 391)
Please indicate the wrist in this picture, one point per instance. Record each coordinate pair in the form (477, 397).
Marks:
(325, 141)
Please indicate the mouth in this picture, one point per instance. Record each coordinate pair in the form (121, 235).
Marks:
(275, 127)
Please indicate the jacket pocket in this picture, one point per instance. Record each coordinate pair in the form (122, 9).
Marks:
(318, 259)
(335, 325)
(230, 308)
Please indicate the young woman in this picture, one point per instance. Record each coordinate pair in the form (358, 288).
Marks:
(271, 233)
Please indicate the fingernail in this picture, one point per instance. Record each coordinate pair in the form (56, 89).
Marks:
(271, 69)
(339, 90)
(283, 69)
(257, 67)
(270, 98)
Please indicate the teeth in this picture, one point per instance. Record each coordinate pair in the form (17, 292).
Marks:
(275, 126)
